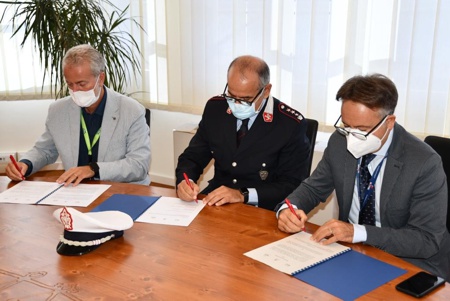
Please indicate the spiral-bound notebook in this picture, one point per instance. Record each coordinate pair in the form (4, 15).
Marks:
(296, 253)
(334, 268)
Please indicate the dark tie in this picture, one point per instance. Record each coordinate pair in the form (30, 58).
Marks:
(242, 131)
(366, 214)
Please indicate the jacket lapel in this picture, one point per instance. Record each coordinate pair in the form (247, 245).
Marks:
(111, 116)
(392, 170)
(350, 166)
(74, 117)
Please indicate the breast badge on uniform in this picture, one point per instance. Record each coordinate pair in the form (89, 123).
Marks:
(288, 111)
(263, 173)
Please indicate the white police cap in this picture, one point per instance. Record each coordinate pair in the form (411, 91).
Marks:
(85, 232)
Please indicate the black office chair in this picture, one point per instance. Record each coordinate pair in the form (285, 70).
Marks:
(442, 146)
(311, 133)
(147, 116)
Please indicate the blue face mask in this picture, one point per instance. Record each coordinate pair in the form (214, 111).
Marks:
(241, 111)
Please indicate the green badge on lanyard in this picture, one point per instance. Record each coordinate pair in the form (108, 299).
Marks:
(86, 136)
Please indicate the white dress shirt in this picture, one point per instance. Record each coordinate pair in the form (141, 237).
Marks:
(360, 233)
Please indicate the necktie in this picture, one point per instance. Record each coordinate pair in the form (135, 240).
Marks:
(242, 131)
(366, 214)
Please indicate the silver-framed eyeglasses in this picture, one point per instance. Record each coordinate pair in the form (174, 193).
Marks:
(245, 102)
(356, 133)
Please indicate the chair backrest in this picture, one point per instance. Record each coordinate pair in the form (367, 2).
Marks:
(442, 146)
(311, 133)
(147, 116)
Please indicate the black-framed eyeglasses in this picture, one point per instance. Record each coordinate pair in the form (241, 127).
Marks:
(361, 136)
(240, 100)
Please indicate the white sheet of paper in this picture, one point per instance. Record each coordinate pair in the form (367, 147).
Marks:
(31, 192)
(81, 195)
(295, 253)
(27, 192)
(171, 211)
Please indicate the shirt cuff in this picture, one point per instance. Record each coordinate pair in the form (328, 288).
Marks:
(359, 233)
(284, 206)
(252, 197)
(30, 167)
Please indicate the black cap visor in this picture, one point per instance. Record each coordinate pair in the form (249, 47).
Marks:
(72, 250)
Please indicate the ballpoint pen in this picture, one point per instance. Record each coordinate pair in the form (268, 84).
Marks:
(186, 178)
(17, 166)
(288, 203)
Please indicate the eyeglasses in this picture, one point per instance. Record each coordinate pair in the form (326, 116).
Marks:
(244, 102)
(360, 135)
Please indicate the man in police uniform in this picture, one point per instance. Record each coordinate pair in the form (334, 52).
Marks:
(266, 162)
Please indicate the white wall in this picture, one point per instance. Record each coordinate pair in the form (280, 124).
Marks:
(163, 123)
(22, 122)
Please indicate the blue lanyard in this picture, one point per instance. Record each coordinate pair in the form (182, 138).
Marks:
(370, 188)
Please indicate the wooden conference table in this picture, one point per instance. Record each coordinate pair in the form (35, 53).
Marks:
(203, 261)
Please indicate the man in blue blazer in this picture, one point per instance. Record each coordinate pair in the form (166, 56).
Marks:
(269, 161)
(404, 206)
(97, 132)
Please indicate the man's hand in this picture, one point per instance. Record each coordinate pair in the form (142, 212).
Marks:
(75, 175)
(12, 172)
(289, 222)
(223, 195)
(334, 230)
(186, 193)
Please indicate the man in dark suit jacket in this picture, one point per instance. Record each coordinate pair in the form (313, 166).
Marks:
(269, 162)
(410, 194)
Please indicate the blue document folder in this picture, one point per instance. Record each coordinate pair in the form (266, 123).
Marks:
(350, 275)
(133, 205)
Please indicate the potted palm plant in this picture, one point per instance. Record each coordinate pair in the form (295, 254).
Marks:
(54, 26)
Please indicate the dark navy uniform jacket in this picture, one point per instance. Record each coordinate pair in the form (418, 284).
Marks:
(272, 157)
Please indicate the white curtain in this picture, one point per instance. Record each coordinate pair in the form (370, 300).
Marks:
(311, 46)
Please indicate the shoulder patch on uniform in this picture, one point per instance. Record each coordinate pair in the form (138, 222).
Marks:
(288, 111)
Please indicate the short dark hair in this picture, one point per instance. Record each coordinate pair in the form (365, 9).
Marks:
(254, 64)
(375, 91)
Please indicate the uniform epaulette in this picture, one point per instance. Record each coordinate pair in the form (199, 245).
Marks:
(288, 111)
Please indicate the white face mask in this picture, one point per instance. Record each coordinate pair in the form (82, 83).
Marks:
(241, 111)
(359, 148)
(85, 99)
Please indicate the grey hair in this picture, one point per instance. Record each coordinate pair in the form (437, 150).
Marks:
(84, 52)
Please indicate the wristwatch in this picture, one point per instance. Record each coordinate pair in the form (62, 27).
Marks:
(94, 167)
(244, 192)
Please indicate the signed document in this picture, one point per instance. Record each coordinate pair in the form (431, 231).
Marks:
(52, 193)
(296, 253)
(171, 211)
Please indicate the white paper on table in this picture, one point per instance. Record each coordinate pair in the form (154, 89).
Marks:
(52, 193)
(81, 195)
(171, 211)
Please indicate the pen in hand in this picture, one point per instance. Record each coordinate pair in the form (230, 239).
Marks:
(288, 203)
(186, 178)
(17, 166)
